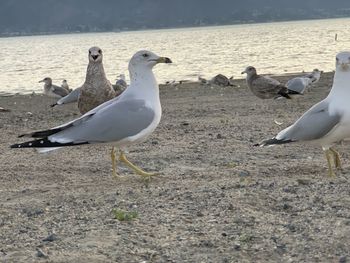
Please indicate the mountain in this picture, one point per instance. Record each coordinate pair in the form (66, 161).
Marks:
(20, 17)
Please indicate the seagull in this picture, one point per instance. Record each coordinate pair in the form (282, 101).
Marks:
(265, 87)
(65, 85)
(96, 88)
(314, 76)
(120, 84)
(52, 90)
(122, 121)
(327, 122)
(70, 98)
(298, 84)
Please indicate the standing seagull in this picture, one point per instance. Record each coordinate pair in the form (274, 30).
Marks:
(265, 87)
(52, 90)
(96, 89)
(328, 121)
(122, 121)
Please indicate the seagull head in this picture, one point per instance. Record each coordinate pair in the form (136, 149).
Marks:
(147, 59)
(342, 61)
(249, 70)
(46, 80)
(95, 54)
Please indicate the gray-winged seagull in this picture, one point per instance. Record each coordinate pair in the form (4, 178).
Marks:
(327, 122)
(122, 121)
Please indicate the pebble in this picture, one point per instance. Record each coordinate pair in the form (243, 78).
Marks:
(41, 254)
(50, 238)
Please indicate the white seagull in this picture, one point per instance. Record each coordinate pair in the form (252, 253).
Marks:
(327, 122)
(120, 122)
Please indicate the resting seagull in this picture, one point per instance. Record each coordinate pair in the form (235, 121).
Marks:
(298, 84)
(265, 87)
(327, 122)
(65, 85)
(122, 121)
(314, 76)
(52, 90)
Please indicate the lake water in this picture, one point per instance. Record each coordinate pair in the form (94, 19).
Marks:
(274, 48)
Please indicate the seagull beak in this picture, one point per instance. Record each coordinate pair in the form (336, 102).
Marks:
(243, 72)
(41, 81)
(164, 60)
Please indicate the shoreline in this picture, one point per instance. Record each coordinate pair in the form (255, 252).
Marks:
(283, 77)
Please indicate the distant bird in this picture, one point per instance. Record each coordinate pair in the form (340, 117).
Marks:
(298, 84)
(96, 89)
(314, 76)
(70, 98)
(327, 122)
(52, 90)
(265, 87)
(120, 84)
(65, 85)
(122, 121)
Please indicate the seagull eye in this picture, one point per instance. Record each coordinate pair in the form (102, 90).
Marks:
(145, 55)
(100, 51)
(90, 52)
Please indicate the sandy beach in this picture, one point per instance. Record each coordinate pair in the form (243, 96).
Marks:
(217, 198)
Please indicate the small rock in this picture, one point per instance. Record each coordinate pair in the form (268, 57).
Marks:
(41, 254)
(303, 181)
(50, 238)
(342, 259)
(243, 174)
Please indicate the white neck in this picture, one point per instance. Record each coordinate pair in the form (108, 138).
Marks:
(341, 85)
(144, 81)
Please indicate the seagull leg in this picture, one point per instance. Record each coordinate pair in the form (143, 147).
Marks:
(329, 161)
(114, 163)
(137, 170)
(336, 157)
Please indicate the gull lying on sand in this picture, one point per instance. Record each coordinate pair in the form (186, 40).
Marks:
(65, 85)
(122, 121)
(314, 76)
(300, 84)
(327, 122)
(265, 87)
(52, 90)
(120, 84)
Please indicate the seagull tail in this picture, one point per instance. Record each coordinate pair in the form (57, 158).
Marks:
(284, 92)
(45, 144)
(272, 142)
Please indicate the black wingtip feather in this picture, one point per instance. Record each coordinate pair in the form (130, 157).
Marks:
(43, 143)
(272, 141)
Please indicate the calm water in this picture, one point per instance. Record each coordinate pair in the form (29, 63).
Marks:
(272, 48)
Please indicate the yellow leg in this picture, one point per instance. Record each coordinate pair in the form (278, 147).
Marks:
(336, 157)
(329, 161)
(138, 170)
(114, 163)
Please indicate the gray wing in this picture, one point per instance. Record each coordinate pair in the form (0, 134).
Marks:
(113, 121)
(312, 125)
(266, 87)
(59, 91)
(122, 83)
(298, 84)
(71, 97)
